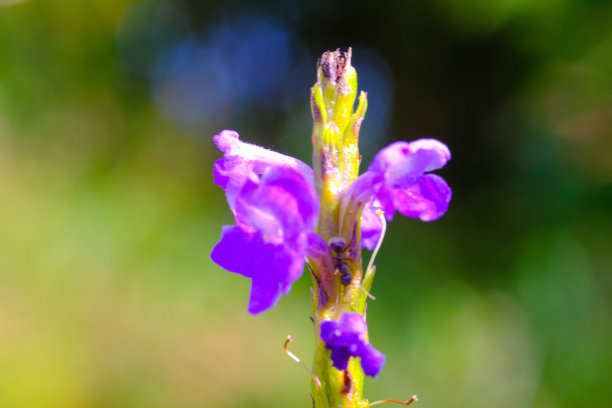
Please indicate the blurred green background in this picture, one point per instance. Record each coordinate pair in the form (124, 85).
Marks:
(108, 212)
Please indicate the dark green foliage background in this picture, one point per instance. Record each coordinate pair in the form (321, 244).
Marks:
(108, 212)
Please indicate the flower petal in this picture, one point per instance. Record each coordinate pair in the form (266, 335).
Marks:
(330, 332)
(282, 204)
(403, 159)
(353, 324)
(426, 198)
(242, 161)
(228, 141)
(347, 338)
(340, 357)
(372, 361)
(272, 268)
(232, 252)
(230, 173)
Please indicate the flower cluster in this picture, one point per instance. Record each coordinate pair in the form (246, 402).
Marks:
(346, 339)
(276, 208)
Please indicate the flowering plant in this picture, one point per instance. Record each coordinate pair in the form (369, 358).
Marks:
(289, 215)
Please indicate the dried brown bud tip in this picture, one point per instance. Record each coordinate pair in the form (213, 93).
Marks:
(332, 64)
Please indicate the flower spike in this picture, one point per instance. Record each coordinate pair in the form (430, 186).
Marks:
(288, 215)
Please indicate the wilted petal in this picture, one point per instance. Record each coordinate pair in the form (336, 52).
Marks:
(320, 261)
(318, 250)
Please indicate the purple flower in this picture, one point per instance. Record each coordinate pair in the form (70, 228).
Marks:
(276, 210)
(347, 339)
(400, 182)
(397, 181)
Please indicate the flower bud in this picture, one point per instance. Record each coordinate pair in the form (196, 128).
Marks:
(336, 127)
(337, 80)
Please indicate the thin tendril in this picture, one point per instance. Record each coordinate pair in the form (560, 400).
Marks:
(295, 358)
(380, 240)
(410, 401)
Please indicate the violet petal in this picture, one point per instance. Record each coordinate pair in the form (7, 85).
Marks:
(347, 338)
(426, 198)
(228, 141)
(401, 184)
(411, 158)
(372, 361)
(272, 267)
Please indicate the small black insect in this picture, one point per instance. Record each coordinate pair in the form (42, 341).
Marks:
(338, 245)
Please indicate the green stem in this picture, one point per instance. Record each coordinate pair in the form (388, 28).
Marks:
(338, 389)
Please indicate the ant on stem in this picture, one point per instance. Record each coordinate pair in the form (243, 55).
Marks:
(338, 245)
